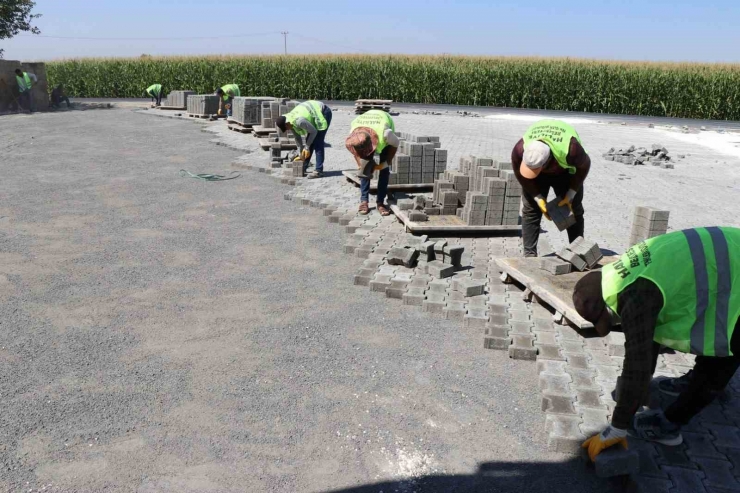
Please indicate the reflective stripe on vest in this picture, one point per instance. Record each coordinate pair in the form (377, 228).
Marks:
(311, 111)
(379, 121)
(24, 83)
(695, 270)
(154, 89)
(556, 135)
(234, 91)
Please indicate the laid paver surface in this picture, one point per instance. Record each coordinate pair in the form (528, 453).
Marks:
(166, 334)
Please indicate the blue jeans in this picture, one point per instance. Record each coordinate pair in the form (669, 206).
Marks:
(317, 145)
(385, 175)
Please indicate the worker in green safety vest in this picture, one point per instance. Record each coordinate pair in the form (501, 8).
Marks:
(309, 120)
(26, 82)
(681, 291)
(155, 92)
(550, 155)
(227, 94)
(373, 135)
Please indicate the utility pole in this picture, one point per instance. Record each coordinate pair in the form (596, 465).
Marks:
(285, 38)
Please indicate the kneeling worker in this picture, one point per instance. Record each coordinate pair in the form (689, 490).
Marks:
(227, 93)
(680, 290)
(373, 134)
(311, 120)
(155, 92)
(549, 156)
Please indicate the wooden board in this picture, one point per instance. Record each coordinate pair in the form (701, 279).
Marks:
(352, 177)
(556, 291)
(373, 101)
(237, 128)
(209, 117)
(266, 145)
(260, 130)
(447, 224)
(180, 108)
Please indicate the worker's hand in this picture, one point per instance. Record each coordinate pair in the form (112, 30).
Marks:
(305, 155)
(220, 111)
(543, 206)
(608, 438)
(568, 200)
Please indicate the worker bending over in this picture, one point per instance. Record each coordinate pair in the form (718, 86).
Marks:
(155, 92)
(26, 81)
(680, 290)
(227, 93)
(309, 120)
(550, 155)
(57, 96)
(373, 134)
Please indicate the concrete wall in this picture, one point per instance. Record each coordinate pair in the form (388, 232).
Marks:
(9, 86)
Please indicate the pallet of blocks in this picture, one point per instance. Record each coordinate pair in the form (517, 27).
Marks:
(247, 111)
(178, 99)
(270, 111)
(487, 190)
(202, 105)
(365, 105)
(419, 160)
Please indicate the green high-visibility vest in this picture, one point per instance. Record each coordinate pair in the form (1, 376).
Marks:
(154, 90)
(556, 135)
(311, 111)
(379, 121)
(698, 272)
(24, 83)
(234, 90)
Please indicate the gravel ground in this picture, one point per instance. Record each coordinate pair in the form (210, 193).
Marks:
(159, 333)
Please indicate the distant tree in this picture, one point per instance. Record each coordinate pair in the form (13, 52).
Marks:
(16, 17)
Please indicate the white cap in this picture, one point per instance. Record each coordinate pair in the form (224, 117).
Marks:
(536, 155)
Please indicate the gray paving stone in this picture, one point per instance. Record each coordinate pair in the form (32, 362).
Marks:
(380, 283)
(685, 480)
(455, 310)
(564, 436)
(644, 484)
(500, 343)
(549, 352)
(725, 436)
(475, 318)
(593, 420)
(528, 353)
(616, 461)
(555, 384)
(558, 404)
(413, 296)
(701, 445)
(719, 474)
(433, 305)
(500, 331)
(589, 398)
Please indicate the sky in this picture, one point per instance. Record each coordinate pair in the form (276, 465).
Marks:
(660, 30)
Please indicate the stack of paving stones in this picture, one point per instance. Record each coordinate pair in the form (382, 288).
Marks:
(488, 191)
(419, 208)
(648, 222)
(365, 105)
(247, 111)
(271, 110)
(561, 215)
(574, 368)
(419, 159)
(202, 104)
(179, 99)
(657, 156)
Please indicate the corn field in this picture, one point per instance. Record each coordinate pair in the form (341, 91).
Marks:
(704, 91)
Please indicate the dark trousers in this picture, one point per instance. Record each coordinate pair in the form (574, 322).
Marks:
(57, 102)
(25, 101)
(383, 178)
(317, 145)
(157, 98)
(532, 215)
(710, 376)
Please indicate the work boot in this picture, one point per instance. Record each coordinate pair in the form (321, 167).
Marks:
(674, 386)
(315, 174)
(654, 426)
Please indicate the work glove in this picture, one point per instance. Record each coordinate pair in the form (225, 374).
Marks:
(608, 438)
(568, 199)
(543, 206)
(305, 154)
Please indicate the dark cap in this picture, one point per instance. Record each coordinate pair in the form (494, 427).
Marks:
(280, 123)
(588, 300)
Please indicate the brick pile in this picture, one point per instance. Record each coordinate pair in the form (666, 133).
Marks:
(657, 156)
(580, 255)
(247, 111)
(419, 159)
(488, 191)
(203, 104)
(648, 222)
(179, 99)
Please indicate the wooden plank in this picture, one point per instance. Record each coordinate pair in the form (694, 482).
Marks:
(180, 108)
(351, 176)
(374, 101)
(284, 146)
(448, 224)
(556, 291)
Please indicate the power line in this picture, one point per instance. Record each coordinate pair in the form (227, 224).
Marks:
(180, 38)
(285, 37)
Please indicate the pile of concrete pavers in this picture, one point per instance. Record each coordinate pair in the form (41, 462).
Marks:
(487, 190)
(637, 156)
(648, 222)
(247, 111)
(179, 99)
(561, 215)
(202, 104)
(419, 208)
(435, 258)
(580, 255)
(272, 108)
(419, 159)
